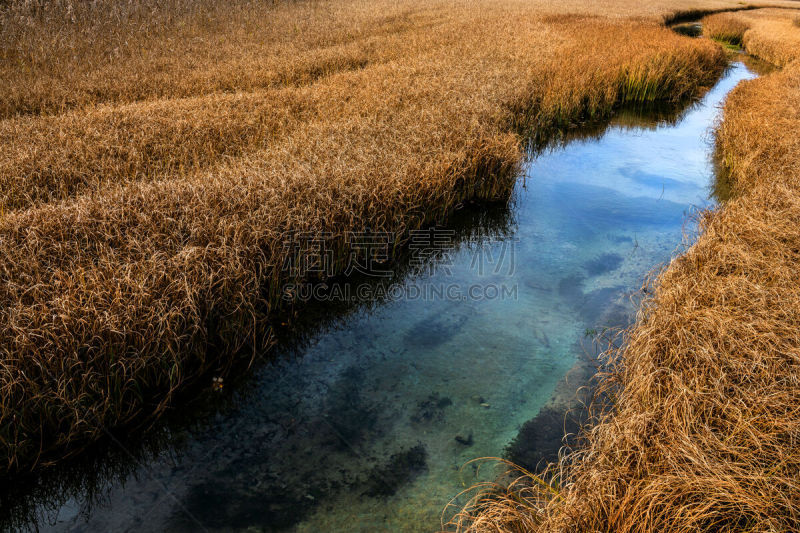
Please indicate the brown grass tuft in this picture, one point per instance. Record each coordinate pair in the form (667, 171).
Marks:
(726, 27)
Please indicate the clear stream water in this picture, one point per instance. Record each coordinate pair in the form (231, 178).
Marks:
(363, 425)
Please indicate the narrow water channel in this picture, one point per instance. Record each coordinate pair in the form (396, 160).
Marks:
(364, 426)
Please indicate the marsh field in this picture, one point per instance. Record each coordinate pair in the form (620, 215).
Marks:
(326, 265)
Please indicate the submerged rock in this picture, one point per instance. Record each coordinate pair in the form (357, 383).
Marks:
(465, 441)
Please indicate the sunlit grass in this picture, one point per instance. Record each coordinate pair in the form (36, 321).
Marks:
(768, 34)
(156, 155)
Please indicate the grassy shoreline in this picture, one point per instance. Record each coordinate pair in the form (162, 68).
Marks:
(702, 431)
(142, 221)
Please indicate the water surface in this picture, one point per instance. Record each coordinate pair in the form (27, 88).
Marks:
(365, 424)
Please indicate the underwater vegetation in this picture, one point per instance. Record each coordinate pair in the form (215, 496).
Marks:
(401, 468)
(541, 438)
(431, 409)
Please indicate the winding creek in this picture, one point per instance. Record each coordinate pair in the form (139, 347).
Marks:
(364, 423)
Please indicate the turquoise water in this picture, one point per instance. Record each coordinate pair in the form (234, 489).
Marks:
(365, 423)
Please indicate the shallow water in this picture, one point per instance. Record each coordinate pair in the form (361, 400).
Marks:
(364, 426)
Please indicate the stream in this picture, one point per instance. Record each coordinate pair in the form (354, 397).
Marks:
(364, 421)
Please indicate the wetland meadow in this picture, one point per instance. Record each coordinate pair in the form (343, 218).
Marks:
(342, 266)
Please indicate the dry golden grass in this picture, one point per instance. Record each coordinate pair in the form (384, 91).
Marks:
(156, 155)
(62, 54)
(703, 429)
(172, 136)
(769, 34)
(727, 27)
(59, 54)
